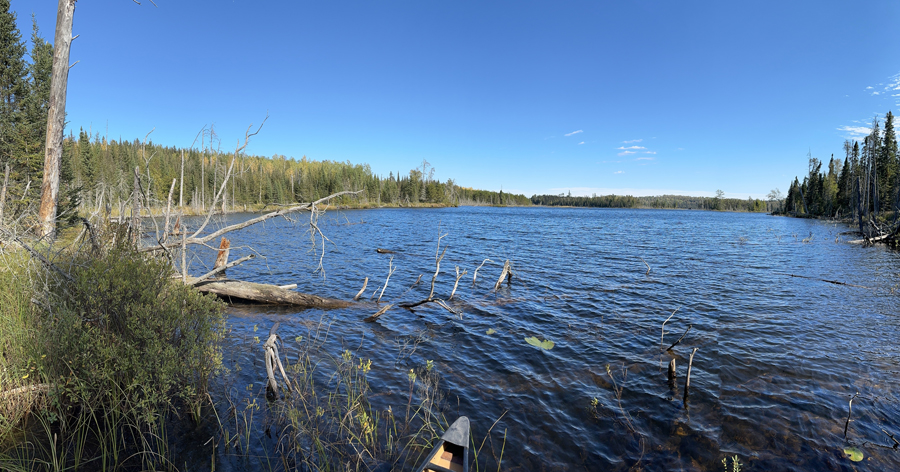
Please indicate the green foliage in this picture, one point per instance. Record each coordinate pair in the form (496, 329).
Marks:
(123, 333)
(867, 181)
(664, 201)
(545, 344)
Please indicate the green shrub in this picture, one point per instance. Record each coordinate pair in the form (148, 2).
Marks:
(122, 333)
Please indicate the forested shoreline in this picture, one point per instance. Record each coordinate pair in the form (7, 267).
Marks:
(98, 171)
(661, 202)
(863, 187)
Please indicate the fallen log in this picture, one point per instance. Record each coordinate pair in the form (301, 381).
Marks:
(268, 294)
(385, 251)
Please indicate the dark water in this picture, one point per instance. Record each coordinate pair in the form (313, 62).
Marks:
(778, 356)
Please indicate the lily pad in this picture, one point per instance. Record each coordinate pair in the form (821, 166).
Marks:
(545, 344)
(854, 454)
(491, 331)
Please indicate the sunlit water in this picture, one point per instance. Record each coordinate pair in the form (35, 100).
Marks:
(778, 357)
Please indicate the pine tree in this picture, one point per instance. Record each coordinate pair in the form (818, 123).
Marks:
(36, 104)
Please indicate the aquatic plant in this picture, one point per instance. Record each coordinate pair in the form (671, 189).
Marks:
(544, 345)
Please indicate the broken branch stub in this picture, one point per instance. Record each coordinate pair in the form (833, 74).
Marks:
(505, 274)
(475, 275)
(363, 289)
(687, 380)
(222, 256)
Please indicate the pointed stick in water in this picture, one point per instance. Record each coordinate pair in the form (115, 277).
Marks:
(679, 339)
(506, 274)
(662, 336)
(687, 380)
(363, 289)
(437, 265)
(391, 270)
(456, 284)
(378, 313)
(648, 266)
(849, 412)
(672, 373)
(475, 275)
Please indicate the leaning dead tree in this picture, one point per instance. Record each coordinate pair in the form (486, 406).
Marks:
(234, 289)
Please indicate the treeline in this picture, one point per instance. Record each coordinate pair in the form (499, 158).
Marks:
(104, 169)
(97, 170)
(865, 184)
(664, 201)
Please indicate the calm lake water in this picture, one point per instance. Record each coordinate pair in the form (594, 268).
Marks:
(778, 357)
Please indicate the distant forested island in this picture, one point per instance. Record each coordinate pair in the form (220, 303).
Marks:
(719, 202)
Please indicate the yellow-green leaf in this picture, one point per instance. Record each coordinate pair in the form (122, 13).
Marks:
(854, 454)
(491, 331)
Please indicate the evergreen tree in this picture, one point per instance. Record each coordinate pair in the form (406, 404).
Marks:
(888, 166)
(13, 87)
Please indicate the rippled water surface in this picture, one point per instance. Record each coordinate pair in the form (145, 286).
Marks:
(778, 356)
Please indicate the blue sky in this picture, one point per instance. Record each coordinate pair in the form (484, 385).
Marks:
(639, 97)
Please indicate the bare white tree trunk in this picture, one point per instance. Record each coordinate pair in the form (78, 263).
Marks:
(56, 117)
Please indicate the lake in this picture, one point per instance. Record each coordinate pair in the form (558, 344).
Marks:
(778, 356)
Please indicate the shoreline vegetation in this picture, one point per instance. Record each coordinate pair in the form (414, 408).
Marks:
(863, 189)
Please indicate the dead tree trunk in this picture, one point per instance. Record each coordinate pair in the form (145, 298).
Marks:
(136, 207)
(3, 192)
(181, 192)
(56, 117)
(268, 294)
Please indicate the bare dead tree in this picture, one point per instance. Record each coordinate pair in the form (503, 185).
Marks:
(56, 117)
(505, 274)
(437, 264)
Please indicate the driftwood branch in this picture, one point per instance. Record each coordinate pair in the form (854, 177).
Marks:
(378, 313)
(437, 264)
(648, 266)
(269, 294)
(682, 337)
(896, 443)
(391, 270)
(456, 284)
(363, 289)
(835, 282)
(672, 374)
(194, 239)
(220, 269)
(273, 360)
(687, 380)
(849, 413)
(36, 388)
(475, 275)
(505, 274)
(662, 336)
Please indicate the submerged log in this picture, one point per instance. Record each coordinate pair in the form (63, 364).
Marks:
(269, 294)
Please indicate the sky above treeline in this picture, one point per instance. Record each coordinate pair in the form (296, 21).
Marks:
(639, 97)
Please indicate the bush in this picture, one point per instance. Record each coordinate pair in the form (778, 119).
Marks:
(122, 334)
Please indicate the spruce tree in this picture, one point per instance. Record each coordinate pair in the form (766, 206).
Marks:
(13, 87)
(888, 166)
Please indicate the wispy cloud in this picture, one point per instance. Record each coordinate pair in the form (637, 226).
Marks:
(632, 141)
(619, 172)
(575, 132)
(611, 162)
(627, 153)
(869, 87)
(630, 147)
(649, 152)
(645, 159)
(855, 132)
(581, 142)
(876, 93)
